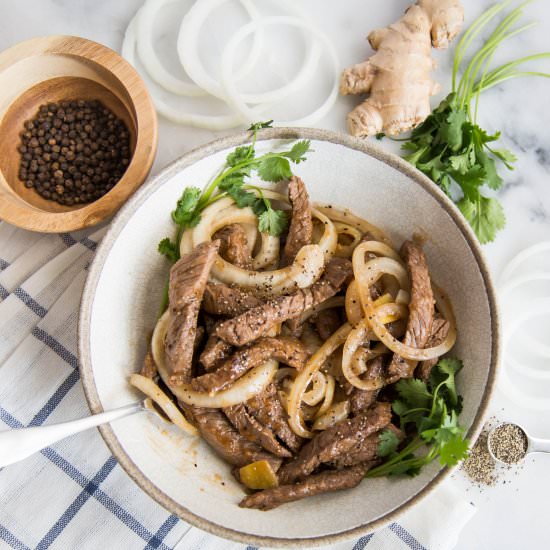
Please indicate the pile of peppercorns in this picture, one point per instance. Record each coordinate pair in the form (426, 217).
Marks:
(73, 152)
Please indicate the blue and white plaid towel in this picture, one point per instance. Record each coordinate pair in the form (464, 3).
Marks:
(74, 494)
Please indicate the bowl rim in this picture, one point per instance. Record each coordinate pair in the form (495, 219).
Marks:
(141, 196)
(145, 149)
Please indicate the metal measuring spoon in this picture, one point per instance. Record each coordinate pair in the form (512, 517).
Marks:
(531, 444)
(19, 443)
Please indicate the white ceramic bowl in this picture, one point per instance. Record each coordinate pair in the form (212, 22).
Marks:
(121, 301)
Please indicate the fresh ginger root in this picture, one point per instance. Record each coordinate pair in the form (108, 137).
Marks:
(397, 76)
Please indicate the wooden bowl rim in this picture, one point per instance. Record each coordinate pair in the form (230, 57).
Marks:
(29, 217)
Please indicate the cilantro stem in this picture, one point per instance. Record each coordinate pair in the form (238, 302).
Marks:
(385, 468)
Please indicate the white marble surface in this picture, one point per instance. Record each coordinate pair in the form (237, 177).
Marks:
(509, 516)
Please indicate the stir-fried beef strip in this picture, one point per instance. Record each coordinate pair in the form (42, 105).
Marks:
(300, 229)
(214, 352)
(324, 482)
(363, 399)
(365, 450)
(440, 330)
(234, 246)
(421, 310)
(222, 299)
(149, 367)
(188, 278)
(228, 442)
(266, 407)
(335, 441)
(250, 428)
(285, 349)
(327, 322)
(257, 321)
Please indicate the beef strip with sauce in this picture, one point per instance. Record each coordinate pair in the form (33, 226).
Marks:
(257, 321)
(363, 399)
(440, 330)
(334, 442)
(228, 442)
(421, 310)
(285, 349)
(234, 245)
(317, 484)
(327, 322)
(250, 428)
(214, 352)
(222, 299)
(266, 407)
(300, 229)
(188, 278)
(365, 450)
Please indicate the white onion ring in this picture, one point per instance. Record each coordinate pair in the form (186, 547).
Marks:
(520, 258)
(365, 278)
(303, 272)
(209, 122)
(336, 413)
(303, 379)
(346, 250)
(347, 216)
(243, 389)
(354, 310)
(329, 395)
(356, 338)
(152, 63)
(317, 392)
(187, 46)
(149, 388)
(541, 308)
(238, 102)
(403, 297)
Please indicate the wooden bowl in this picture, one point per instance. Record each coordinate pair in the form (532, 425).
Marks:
(57, 68)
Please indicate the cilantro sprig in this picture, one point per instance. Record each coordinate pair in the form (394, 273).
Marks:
(451, 148)
(433, 409)
(239, 166)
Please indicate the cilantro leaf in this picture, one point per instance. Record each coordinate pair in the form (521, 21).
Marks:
(460, 163)
(259, 125)
(240, 154)
(507, 157)
(185, 213)
(169, 249)
(241, 197)
(471, 181)
(298, 151)
(453, 451)
(274, 168)
(273, 221)
(493, 180)
(414, 392)
(444, 373)
(387, 443)
(485, 215)
(451, 129)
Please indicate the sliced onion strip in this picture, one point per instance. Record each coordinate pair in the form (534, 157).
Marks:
(149, 388)
(302, 381)
(243, 389)
(365, 278)
(336, 413)
(318, 388)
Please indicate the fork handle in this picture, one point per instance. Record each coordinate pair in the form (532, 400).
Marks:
(19, 443)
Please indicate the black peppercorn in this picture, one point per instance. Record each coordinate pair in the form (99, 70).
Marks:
(74, 151)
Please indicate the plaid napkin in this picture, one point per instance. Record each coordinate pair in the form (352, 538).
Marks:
(74, 494)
